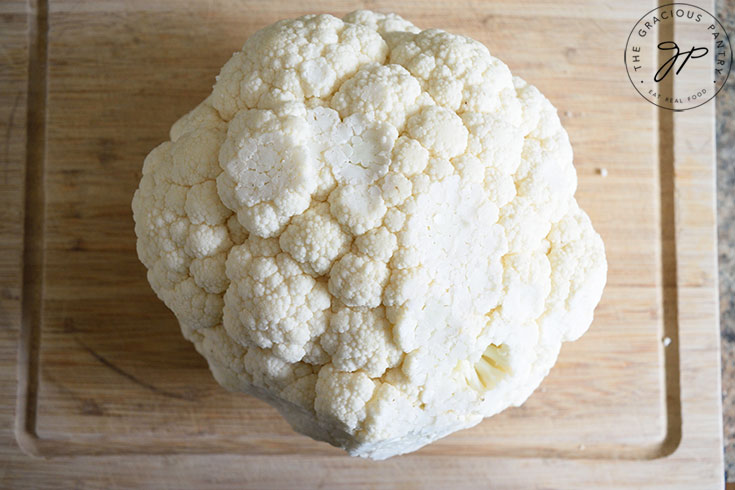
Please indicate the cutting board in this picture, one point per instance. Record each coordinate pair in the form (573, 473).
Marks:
(107, 391)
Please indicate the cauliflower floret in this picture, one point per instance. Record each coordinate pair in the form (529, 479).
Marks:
(204, 240)
(578, 271)
(361, 339)
(545, 181)
(356, 150)
(378, 244)
(372, 228)
(341, 397)
(409, 157)
(358, 207)
(394, 220)
(458, 72)
(496, 142)
(203, 205)
(203, 116)
(209, 273)
(358, 280)
(395, 188)
(293, 60)
(194, 157)
(440, 131)
(269, 174)
(294, 382)
(384, 93)
(271, 302)
(178, 220)
(225, 358)
(383, 24)
(315, 239)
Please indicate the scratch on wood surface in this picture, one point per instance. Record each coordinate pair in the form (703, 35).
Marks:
(104, 361)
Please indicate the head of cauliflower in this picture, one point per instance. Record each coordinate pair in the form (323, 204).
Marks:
(373, 228)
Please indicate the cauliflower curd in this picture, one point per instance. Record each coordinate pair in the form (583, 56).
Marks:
(373, 228)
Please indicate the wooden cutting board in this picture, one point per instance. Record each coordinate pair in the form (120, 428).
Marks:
(107, 391)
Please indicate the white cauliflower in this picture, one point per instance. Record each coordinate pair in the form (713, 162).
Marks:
(373, 228)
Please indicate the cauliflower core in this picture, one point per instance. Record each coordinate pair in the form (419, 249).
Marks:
(373, 228)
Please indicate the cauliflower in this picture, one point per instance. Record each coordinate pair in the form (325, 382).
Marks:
(373, 228)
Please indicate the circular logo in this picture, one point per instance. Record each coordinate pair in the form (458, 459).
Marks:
(678, 56)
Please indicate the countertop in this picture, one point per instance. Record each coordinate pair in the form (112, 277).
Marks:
(726, 245)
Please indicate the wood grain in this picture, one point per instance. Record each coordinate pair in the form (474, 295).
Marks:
(14, 46)
(112, 395)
